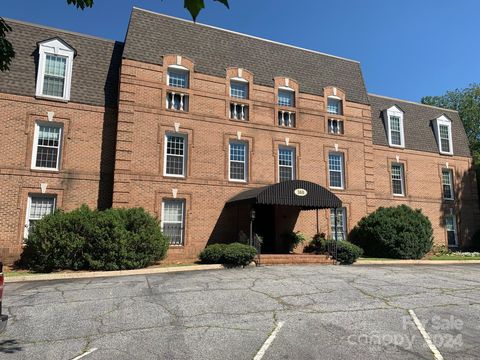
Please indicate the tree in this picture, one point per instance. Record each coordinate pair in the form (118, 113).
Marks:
(7, 52)
(467, 103)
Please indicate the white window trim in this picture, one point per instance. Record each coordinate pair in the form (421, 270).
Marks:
(185, 153)
(181, 68)
(443, 120)
(339, 99)
(245, 169)
(27, 213)
(57, 48)
(182, 234)
(396, 112)
(35, 146)
(402, 178)
(338, 121)
(286, 88)
(452, 191)
(294, 160)
(342, 178)
(238, 80)
(454, 229)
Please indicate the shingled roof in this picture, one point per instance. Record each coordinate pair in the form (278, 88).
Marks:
(151, 35)
(95, 66)
(418, 125)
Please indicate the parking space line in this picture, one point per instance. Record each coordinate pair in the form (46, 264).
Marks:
(85, 354)
(425, 335)
(268, 342)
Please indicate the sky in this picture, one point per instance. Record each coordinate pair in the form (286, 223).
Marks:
(407, 48)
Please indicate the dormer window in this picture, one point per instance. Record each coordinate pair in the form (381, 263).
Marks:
(55, 65)
(178, 76)
(286, 97)
(239, 89)
(334, 105)
(443, 130)
(394, 120)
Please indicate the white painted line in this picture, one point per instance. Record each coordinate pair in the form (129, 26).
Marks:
(425, 335)
(85, 354)
(268, 342)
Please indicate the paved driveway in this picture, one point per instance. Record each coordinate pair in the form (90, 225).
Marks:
(283, 312)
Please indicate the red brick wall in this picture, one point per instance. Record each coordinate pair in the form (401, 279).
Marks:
(86, 168)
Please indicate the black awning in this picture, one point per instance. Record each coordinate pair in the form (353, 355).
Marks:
(304, 194)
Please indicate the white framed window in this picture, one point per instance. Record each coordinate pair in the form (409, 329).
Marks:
(334, 105)
(47, 144)
(451, 228)
(286, 97)
(239, 89)
(175, 155)
(398, 179)
(341, 220)
(238, 161)
(286, 163)
(178, 76)
(38, 206)
(55, 65)
(447, 184)
(395, 129)
(173, 220)
(443, 130)
(335, 126)
(336, 170)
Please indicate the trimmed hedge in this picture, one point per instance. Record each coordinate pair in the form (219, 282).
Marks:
(317, 245)
(394, 232)
(233, 255)
(85, 239)
(347, 253)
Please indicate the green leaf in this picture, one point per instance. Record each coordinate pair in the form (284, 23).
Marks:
(195, 6)
(81, 4)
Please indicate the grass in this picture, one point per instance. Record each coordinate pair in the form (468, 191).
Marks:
(453, 257)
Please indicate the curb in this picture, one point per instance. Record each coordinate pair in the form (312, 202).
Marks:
(416, 262)
(99, 274)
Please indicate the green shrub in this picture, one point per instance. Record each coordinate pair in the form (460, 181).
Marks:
(475, 242)
(347, 253)
(233, 255)
(317, 245)
(294, 239)
(213, 254)
(98, 240)
(395, 232)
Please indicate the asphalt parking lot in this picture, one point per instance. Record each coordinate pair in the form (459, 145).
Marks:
(282, 312)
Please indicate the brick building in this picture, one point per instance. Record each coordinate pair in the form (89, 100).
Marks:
(188, 121)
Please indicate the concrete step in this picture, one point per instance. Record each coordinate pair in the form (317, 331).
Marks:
(287, 259)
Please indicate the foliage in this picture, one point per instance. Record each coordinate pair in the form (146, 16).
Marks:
(6, 49)
(7, 52)
(394, 232)
(347, 253)
(317, 245)
(467, 103)
(114, 239)
(212, 254)
(475, 242)
(440, 250)
(234, 254)
(294, 239)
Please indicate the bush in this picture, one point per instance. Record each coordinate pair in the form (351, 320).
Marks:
(234, 254)
(347, 253)
(114, 239)
(213, 254)
(317, 245)
(395, 232)
(294, 238)
(475, 242)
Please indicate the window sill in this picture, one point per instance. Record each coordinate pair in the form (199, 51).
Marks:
(397, 146)
(174, 176)
(52, 98)
(337, 188)
(55, 171)
(448, 199)
(398, 195)
(446, 154)
(238, 181)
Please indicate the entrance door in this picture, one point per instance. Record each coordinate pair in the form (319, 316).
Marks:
(264, 226)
